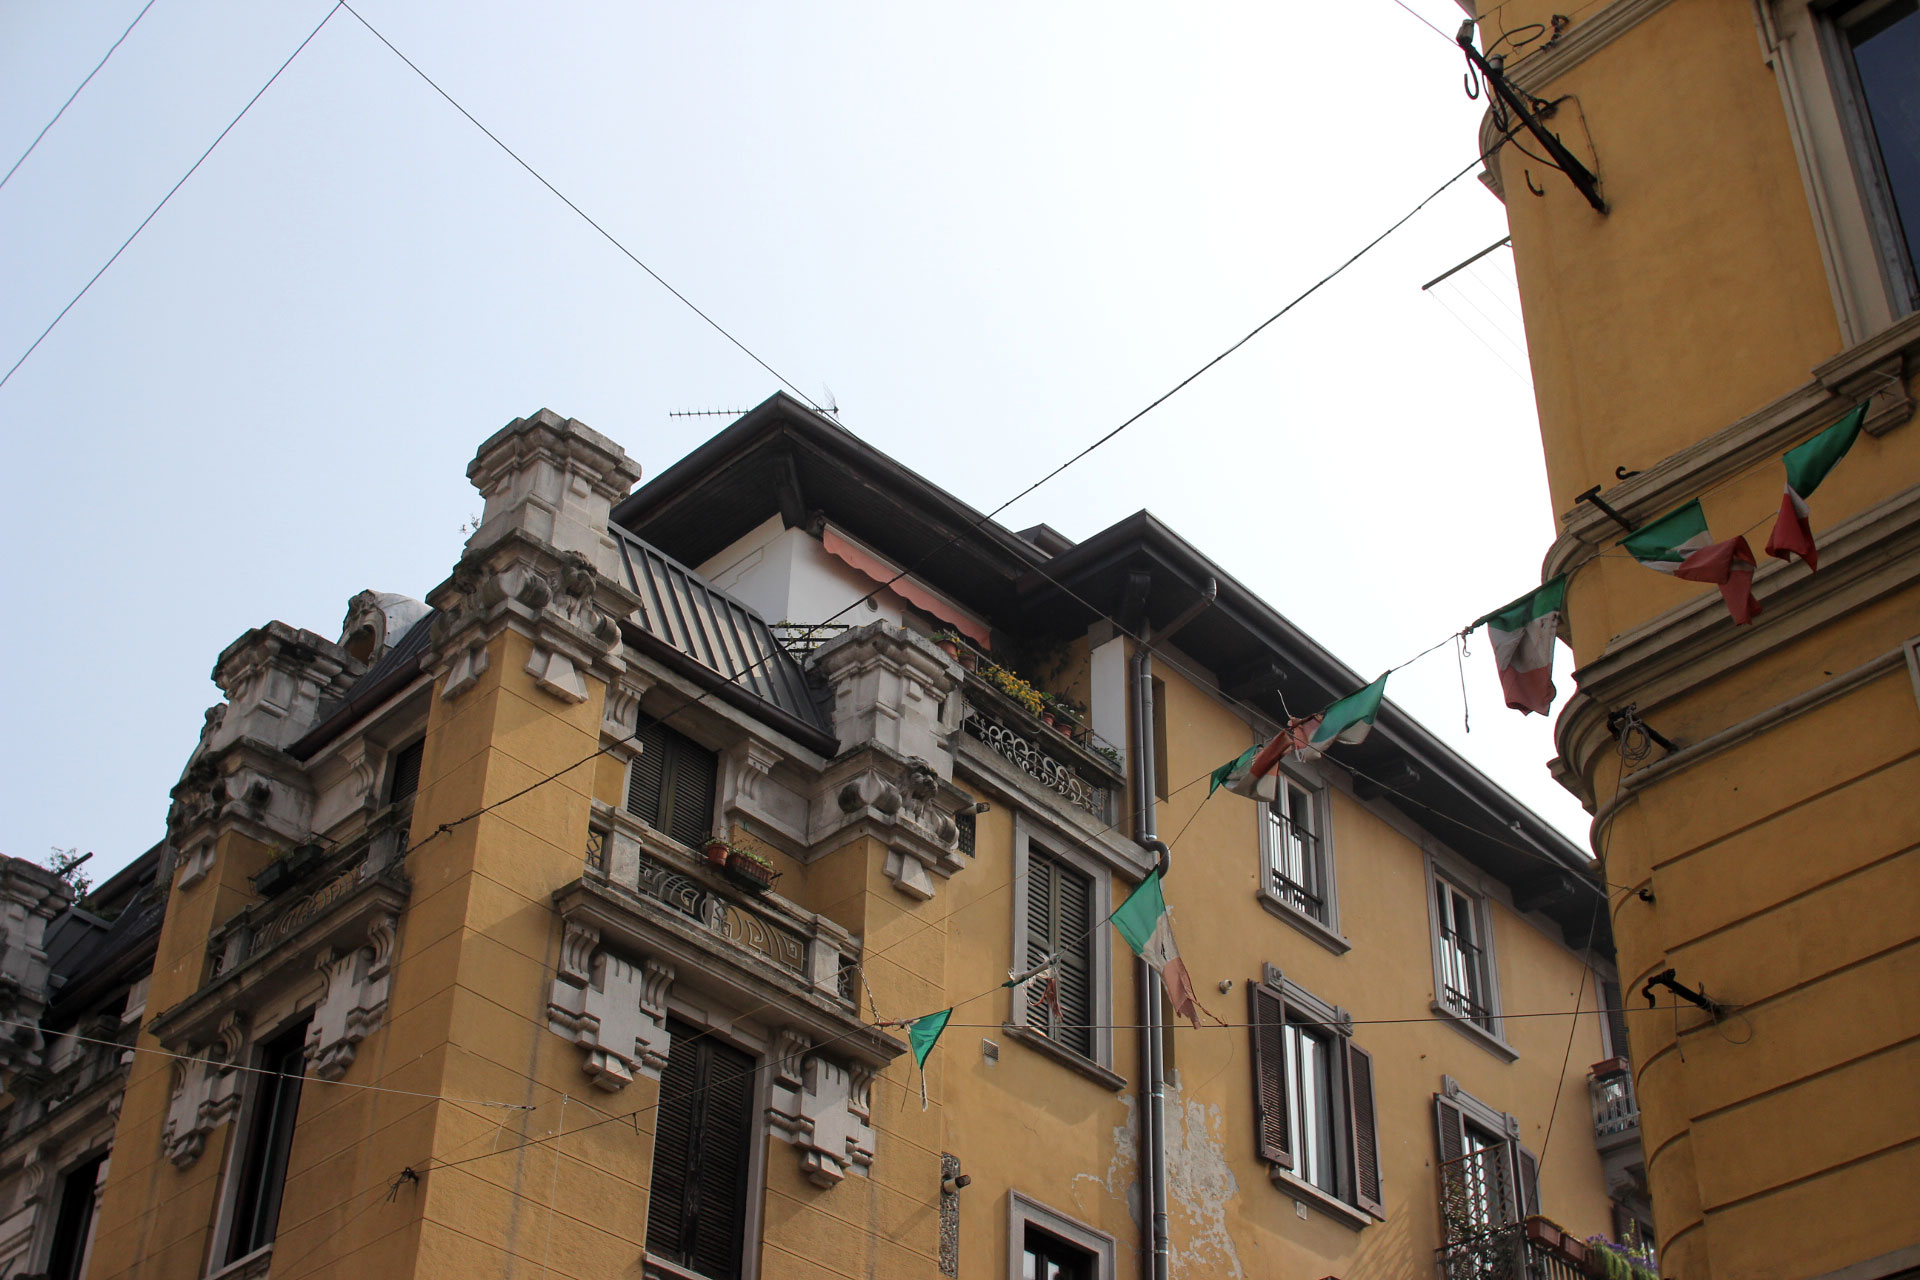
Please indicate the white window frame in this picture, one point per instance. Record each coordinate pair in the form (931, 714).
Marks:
(1469, 885)
(1801, 39)
(1029, 829)
(1319, 827)
(1024, 1211)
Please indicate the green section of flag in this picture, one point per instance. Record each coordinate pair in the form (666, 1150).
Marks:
(1224, 774)
(1808, 464)
(922, 1033)
(1140, 914)
(1349, 719)
(1548, 597)
(1667, 539)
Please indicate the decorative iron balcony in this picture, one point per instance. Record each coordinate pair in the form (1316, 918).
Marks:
(1536, 1249)
(1616, 1109)
(1048, 755)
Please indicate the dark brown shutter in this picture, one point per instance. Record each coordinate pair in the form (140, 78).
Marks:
(1364, 1125)
(647, 775)
(1451, 1126)
(1073, 924)
(406, 771)
(702, 1140)
(1526, 1179)
(1267, 1011)
(693, 773)
(1611, 1001)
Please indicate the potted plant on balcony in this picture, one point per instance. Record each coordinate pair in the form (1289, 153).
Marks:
(717, 850)
(751, 870)
(949, 643)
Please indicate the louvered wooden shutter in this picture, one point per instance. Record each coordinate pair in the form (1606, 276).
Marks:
(693, 773)
(702, 1140)
(1610, 1000)
(1451, 1124)
(647, 776)
(1526, 1179)
(1267, 1011)
(406, 771)
(1073, 924)
(1364, 1125)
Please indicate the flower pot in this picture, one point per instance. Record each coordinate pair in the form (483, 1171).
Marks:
(717, 852)
(1545, 1233)
(951, 649)
(969, 660)
(753, 875)
(1610, 1068)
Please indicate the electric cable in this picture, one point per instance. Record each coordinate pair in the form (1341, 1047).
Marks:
(76, 93)
(584, 215)
(170, 194)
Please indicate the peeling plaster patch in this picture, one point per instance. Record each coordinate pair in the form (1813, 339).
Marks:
(1200, 1183)
(1122, 1181)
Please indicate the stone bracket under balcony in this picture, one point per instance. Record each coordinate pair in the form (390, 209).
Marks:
(904, 804)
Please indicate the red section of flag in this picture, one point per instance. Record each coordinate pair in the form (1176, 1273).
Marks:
(1530, 691)
(1180, 991)
(1729, 565)
(1792, 533)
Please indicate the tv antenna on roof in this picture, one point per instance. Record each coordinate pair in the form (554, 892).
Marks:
(705, 413)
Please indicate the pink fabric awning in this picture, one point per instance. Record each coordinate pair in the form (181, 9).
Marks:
(906, 588)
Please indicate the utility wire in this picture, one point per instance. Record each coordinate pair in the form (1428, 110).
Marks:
(76, 93)
(170, 193)
(584, 215)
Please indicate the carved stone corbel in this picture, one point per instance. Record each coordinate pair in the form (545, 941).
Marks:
(614, 1008)
(904, 803)
(353, 999)
(206, 1092)
(824, 1108)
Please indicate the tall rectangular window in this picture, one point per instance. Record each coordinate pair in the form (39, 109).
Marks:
(1464, 978)
(703, 1132)
(672, 784)
(74, 1221)
(1487, 1179)
(1880, 40)
(1060, 923)
(1297, 876)
(269, 1142)
(1314, 1117)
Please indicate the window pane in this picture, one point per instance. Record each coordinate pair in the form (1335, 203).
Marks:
(263, 1170)
(1886, 54)
(1293, 853)
(1310, 1117)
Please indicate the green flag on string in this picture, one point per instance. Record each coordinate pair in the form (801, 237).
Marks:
(923, 1033)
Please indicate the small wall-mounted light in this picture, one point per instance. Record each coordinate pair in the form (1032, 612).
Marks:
(953, 1185)
(978, 807)
(1226, 985)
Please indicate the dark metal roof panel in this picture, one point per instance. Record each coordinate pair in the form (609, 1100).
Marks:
(683, 611)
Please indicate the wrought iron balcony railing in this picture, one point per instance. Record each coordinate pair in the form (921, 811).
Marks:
(1072, 770)
(1532, 1250)
(1616, 1109)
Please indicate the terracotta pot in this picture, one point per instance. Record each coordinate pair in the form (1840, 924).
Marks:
(1609, 1068)
(717, 852)
(754, 874)
(1046, 718)
(969, 660)
(951, 649)
(1544, 1232)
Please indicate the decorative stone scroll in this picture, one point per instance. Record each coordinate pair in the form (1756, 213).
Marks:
(206, 1092)
(353, 1001)
(614, 1008)
(824, 1108)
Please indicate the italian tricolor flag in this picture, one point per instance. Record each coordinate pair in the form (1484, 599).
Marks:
(1144, 922)
(1523, 634)
(1678, 543)
(1807, 466)
(1349, 720)
(1255, 772)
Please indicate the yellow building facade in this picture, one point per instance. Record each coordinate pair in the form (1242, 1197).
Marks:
(1750, 282)
(571, 922)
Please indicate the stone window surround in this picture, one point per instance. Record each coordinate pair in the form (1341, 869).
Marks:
(44, 1201)
(1314, 782)
(1334, 1022)
(276, 1017)
(1028, 828)
(1024, 1211)
(1445, 867)
(749, 1037)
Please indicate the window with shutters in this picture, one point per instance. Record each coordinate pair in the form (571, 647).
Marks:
(1060, 926)
(702, 1145)
(1487, 1178)
(1464, 986)
(672, 784)
(1314, 1116)
(267, 1142)
(1062, 894)
(1296, 861)
(403, 778)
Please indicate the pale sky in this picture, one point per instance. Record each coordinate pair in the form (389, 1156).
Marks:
(994, 231)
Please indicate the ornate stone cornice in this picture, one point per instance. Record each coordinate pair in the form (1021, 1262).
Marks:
(555, 598)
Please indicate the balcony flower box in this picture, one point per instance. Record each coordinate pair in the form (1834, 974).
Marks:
(280, 874)
(1610, 1068)
(750, 871)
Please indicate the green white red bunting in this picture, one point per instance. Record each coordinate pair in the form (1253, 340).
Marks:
(1349, 720)
(1678, 543)
(1255, 772)
(1143, 921)
(1807, 465)
(1523, 634)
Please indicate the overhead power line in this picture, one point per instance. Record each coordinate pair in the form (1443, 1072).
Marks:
(76, 93)
(170, 193)
(584, 215)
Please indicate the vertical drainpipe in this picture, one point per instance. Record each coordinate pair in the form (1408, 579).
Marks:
(1147, 982)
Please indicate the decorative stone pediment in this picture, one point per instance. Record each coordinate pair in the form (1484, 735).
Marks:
(824, 1107)
(612, 1007)
(206, 1090)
